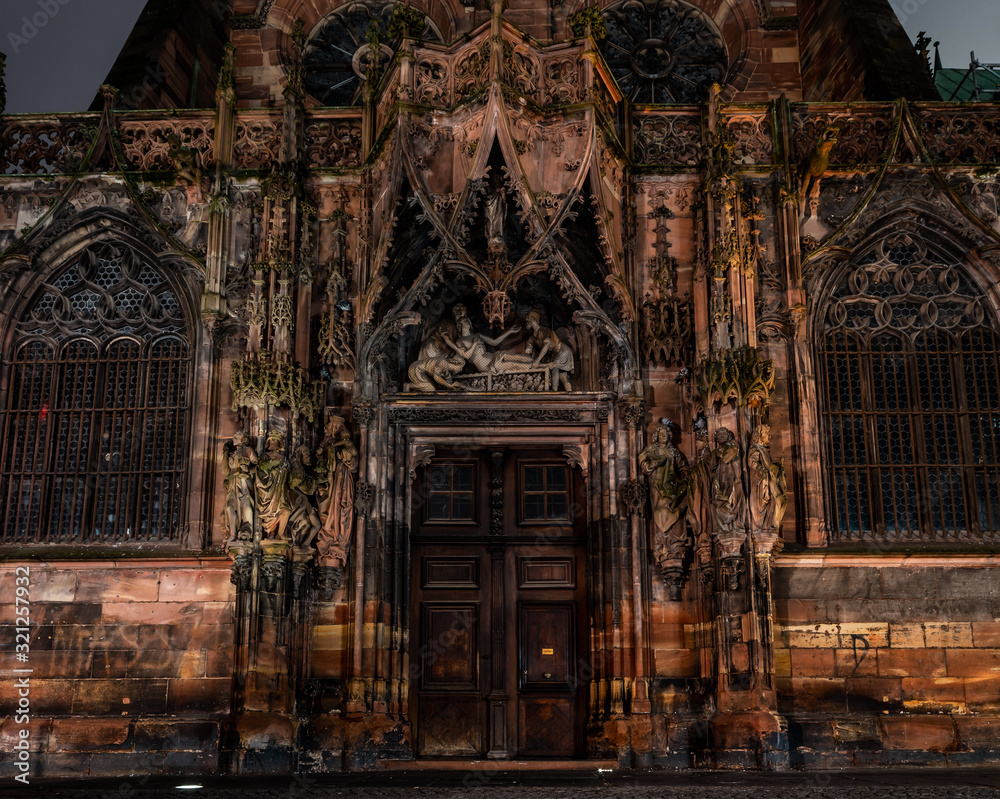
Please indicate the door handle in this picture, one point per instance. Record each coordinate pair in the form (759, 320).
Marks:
(547, 675)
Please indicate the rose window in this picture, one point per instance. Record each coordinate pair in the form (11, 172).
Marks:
(662, 51)
(339, 52)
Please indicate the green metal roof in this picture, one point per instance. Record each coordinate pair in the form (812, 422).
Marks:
(958, 84)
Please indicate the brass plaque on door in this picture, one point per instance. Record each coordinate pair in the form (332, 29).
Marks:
(548, 651)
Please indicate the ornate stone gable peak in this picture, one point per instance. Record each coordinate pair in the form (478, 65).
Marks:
(498, 54)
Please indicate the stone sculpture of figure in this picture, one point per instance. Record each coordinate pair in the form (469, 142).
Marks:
(436, 362)
(669, 485)
(496, 211)
(701, 491)
(303, 522)
(471, 347)
(767, 487)
(544, 341)
(337, 496)
(272, 485)
(237, 516)
(812, 169)
(670, 477)
(186, 161)
(728, 501)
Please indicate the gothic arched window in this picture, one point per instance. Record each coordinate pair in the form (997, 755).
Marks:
(909, 359)
(95, 420)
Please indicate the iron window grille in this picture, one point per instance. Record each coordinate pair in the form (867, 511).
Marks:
(95, 420)
(909, 361)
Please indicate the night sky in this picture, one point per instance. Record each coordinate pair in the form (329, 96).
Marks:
(57, 66)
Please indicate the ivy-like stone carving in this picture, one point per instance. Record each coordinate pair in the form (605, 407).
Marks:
(739, 376)
(265, 379)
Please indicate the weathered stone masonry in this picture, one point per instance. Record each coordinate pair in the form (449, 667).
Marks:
(500, 411)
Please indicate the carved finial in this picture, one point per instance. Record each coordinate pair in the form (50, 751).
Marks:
(224, 89)
(110, 95)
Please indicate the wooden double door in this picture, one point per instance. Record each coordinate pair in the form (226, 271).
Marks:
(498, 624)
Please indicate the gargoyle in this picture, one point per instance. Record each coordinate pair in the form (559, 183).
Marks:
(814, 166)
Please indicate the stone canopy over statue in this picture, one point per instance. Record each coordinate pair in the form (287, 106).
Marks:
(454, 358)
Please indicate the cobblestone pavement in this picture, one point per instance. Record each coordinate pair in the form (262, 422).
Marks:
(874, 784)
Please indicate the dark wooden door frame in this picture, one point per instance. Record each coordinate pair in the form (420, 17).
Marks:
(518, 717)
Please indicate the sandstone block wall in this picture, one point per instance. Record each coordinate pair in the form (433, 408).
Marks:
(131, 664)
(889, 660)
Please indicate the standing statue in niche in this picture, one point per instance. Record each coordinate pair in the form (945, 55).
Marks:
(767, 489)
(237, 515)
(701, 492)
(544, 341)
(669, 475)
(303, 523)
(337, 495)
(496, 212)
(728, 501)
(272, 484)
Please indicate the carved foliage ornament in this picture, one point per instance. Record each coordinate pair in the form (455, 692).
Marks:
(265, 379)
(739, 375)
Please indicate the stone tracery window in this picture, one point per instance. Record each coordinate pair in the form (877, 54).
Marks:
(909, 361)
(662, 51)
(94, 424)
(338, 53)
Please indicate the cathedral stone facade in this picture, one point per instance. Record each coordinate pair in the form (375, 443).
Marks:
(457, 380)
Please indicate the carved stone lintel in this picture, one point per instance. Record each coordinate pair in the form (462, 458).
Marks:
(483, 415)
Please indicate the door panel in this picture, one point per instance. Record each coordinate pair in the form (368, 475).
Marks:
(450, 727)
(548, 647)
(450, 644)
(498, 620)
(462, 572)
(546, 726)
(547, 572)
